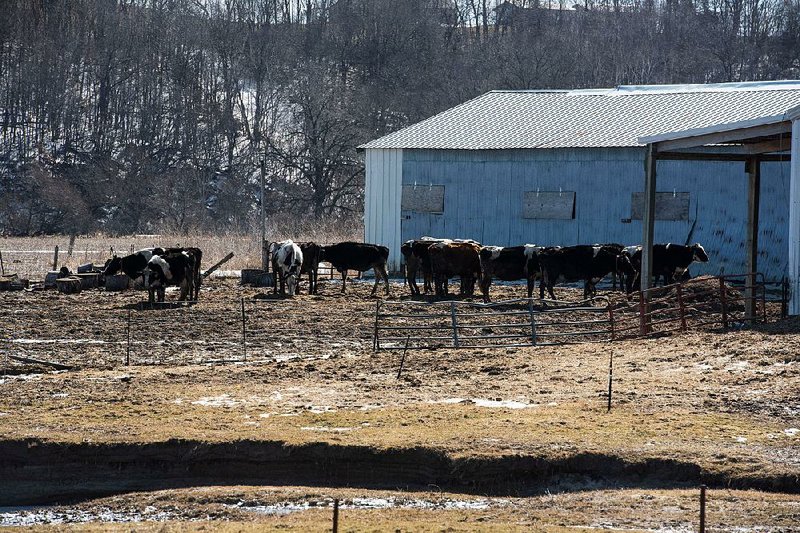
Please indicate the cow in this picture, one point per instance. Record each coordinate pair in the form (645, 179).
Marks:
(197, 257)
(133, 265)
(287, 261)
(617, 249)
(358, 256)
(670, 262)
(450, 259)
(584, 263)
(508, 263)
(417, 258)
(311, 259)
(175, 268)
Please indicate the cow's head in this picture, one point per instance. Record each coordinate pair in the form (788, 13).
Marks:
(699, 253)
(113, 266)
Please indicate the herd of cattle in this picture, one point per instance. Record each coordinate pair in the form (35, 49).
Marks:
(441, 259)
(438, 260)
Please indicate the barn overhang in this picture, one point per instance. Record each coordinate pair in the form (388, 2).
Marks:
(769, 138)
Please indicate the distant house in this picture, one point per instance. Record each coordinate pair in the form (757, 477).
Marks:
(567, 167)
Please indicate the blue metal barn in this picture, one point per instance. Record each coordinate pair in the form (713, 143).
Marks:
(566, 167)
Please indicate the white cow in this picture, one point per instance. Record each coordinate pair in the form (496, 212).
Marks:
(287, 260)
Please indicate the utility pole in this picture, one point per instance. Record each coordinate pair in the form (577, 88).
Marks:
(264, 248)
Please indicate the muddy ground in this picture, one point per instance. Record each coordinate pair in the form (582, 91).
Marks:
(313, 404)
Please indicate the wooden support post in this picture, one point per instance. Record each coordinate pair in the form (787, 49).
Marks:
(55, 258)
(218, 264)
(2, 268)
(753, 168)
(794, 217)
(648, 229)
(71, 245)
(648, 218)
(611, 321)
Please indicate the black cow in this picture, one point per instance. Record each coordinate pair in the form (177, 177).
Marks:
(169, 269)
(670, 262)
(417, 258)
(311, 259)
(133, 265)
(508, 263)
(584, 263)
(618, 272)
(358, 256)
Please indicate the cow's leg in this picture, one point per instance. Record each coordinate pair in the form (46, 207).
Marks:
(162, 294)
(385, 275)
(486, 282)
(151, 295)
(185, 288)
(531, 286)
(344, 280)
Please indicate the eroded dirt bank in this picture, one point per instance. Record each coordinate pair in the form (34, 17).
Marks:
(44, 473)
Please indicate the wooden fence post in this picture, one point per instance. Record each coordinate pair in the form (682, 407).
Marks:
(642, 318)
(455, 323)
(702, 509)
(128, 348)
(244, 334)
(55, 258)
(723, 298)
(681, 307)
(335, 516)
(610, 374)
(71, 245)
(2, 269)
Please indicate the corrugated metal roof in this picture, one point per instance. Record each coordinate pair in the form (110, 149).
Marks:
(591, 118)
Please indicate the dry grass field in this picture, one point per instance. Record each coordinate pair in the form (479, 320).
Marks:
(515, 439)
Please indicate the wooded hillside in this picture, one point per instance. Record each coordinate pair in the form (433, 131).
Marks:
(145, 115)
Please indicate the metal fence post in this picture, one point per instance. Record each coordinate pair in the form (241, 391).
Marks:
(723, 298)
(642, 319)
(784, 297)
(533, 322)
(610, 374)
(244, 334)
(376, 344)
(611, 321)
(455, 323)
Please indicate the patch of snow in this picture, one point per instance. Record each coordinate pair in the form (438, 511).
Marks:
(326, 429)
(791, 432)
(741, 439)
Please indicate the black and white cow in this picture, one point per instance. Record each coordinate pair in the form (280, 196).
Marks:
(169, 269)
(287, 261)
(197, 256)
(670, 262)
(311, 259)
(133, 265)
(584, 263)
(455, 259)
(358, 256)
(509, 263)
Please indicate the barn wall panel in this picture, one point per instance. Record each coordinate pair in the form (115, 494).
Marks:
(382, 197)
(484, 193)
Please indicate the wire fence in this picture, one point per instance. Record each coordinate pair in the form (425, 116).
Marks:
(721, 301)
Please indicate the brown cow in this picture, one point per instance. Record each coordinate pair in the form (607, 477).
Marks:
(451, 259)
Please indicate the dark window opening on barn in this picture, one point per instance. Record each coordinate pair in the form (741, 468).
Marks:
(559, 205)
(423, 198)
(669, 205)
